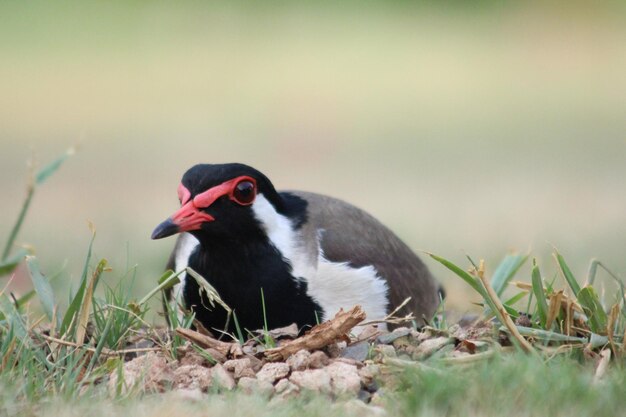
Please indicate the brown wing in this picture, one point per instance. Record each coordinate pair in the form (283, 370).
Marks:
(352, 235)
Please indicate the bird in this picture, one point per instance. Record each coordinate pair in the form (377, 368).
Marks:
(282, 257)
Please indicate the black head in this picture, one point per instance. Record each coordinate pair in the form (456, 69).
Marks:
(216, 201)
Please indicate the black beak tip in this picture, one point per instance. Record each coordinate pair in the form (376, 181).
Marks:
(165, 229)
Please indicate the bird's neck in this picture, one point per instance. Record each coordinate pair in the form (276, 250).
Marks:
(233, 260)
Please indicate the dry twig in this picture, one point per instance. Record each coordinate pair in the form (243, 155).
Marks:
(207, 342)
(321, 335)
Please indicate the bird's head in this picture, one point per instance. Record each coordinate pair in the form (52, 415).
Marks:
(217, 201)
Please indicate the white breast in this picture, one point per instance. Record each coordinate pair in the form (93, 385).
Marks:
(186, 245)
(338, 285)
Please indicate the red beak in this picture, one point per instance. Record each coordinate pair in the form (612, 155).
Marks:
(187, 218)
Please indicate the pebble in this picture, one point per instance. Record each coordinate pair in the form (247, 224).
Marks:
(387, 350)
(388, 338)
(193, 377)
(239, 367)
(358, 351)
(285, 388)
(151, 371)
(222, 379)
(273, 371)
(317, 380)
(430, 346)
(344, 378)
(255, 386)
(318, 360)
(299, 361)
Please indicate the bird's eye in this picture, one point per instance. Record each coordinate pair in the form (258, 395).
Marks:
(244, 193)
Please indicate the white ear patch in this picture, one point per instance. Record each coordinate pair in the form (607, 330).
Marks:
(280, 232)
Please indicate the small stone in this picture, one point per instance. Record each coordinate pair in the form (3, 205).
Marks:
(387, 350)
(524, 320)
(430, 346)
(401, 342)
(358, 351)
(222, 378)
(318, 359)
(273, 371)
(299, 361)
(414, 334)
(255, 386)
(256, 363)
(388, 338)
(344, 378)
(369, 332)
(150, 371)
(317, 380)
(284, 388)
(192, 377)
(368, 374)
(239, 367)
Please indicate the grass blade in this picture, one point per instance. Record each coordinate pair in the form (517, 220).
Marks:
(7, 308)
(554, 308)
(505, 271)
(43, 288)
(166, 281)
(464, 275)
(20, 220)
(590, 302)
(77, 301)
(39, 179)
(8, 265)
(474, 283)
(517, 297)
(546, 335)
(85, 309)
(101, 342)
(24, 299)
(567, 273)
(540, 295)
(45, 172)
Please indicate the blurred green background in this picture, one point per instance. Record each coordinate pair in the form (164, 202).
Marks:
(471, 128)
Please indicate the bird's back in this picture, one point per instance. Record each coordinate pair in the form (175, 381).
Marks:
(349, 234)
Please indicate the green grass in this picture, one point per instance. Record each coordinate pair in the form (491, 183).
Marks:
(513, 385)
(53, 359)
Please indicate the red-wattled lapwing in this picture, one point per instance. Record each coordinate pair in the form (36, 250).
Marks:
(308, 254)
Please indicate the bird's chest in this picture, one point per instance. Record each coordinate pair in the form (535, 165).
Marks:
(256, 283)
